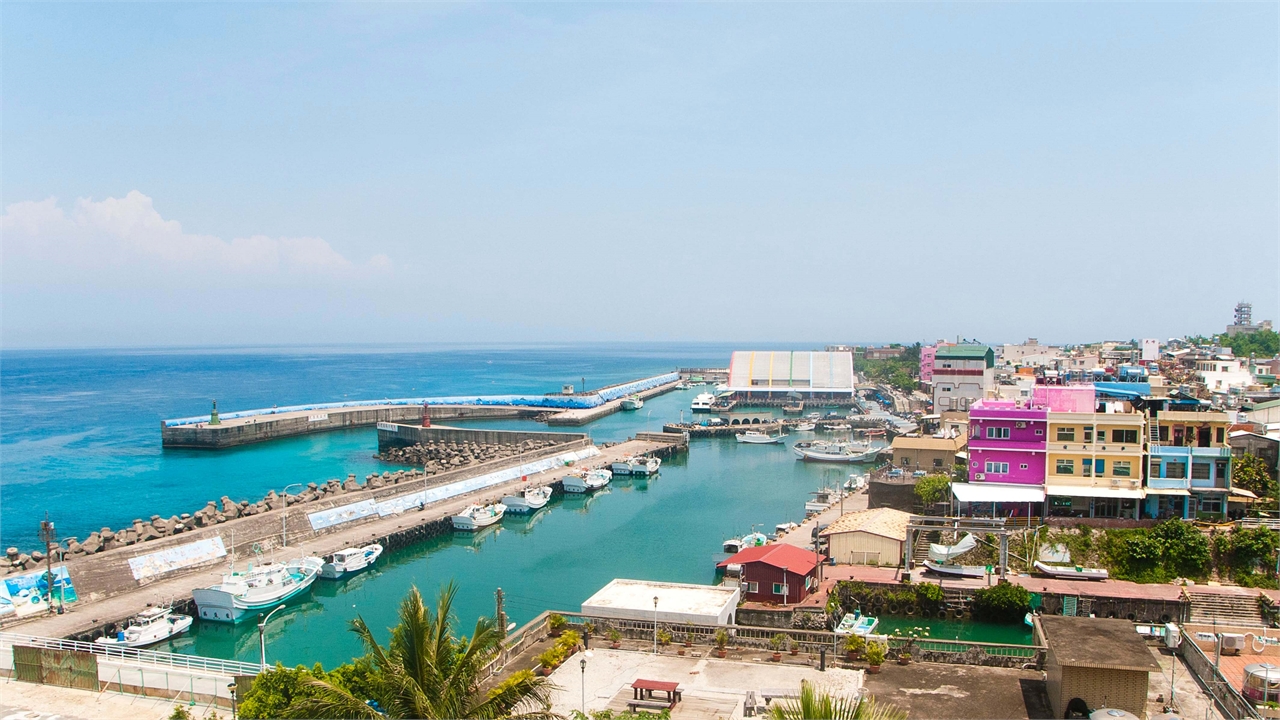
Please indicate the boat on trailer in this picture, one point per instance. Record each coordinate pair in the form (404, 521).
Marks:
(1071, 572)
(966, 571)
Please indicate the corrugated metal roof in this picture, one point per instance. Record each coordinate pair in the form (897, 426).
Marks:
(885, 522)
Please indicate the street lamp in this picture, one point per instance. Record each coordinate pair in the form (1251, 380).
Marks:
(262, 635)
(655, 624)
(583, 664)
(232, 688)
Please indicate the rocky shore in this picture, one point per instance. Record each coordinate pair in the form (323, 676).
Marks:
(428, 460)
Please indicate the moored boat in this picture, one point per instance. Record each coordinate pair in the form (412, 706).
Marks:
(632, 403)
(755, 437)
(855, 623)
(479, 516)
(805, 427)
(702, 402)
(967, 571)
(149, 627)
(586, 481)
(256, 589)
(528, 501)
(1071, 572)
(349, 561)
(839, 452)
(637, 465)
(734, 546)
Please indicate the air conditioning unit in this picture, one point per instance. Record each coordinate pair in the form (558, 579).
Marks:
(980, 476)
(1020, 425)
(1232, 643)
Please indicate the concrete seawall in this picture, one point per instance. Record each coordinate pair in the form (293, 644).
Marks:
(402, 434)
(586, 415)
(244, 431)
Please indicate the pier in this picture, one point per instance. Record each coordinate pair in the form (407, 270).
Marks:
(582, 416)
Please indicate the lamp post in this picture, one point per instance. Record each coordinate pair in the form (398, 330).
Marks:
(583, 664)
(655, 624)
(262, 635)
(232, 688)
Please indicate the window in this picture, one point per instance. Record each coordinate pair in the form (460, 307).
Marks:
(1220, 433)
(1088, 433)
(1125, 437)
(1066, 434)
(1022, 466)
(1121, 468)
(1065, 467)
(778, 589)
(1086, 467)
(937, 462)
(998, 433)
(998, 468)
(1039, 432)
(1175, 469)
(1201, 470)
(1102, 436)
(1154, 469)
(753, 587)
(1162, 432)
(1210, 505)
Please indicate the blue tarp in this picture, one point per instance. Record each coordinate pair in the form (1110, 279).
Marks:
(1124, 390)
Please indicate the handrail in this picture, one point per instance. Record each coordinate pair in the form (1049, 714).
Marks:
(151, 657)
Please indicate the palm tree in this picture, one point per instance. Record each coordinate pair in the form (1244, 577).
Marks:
(814, 704)
(426, 672)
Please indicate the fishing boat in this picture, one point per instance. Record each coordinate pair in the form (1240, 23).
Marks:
(261, 588)
(632, 403)
(149, 627)
(528, 501)
(586, 481)
(805, 427)
(839, 452)
(733, 546)
(856, 482)
(855, 623)
(949, 570)
(637, 465)
(793, 408)
(349, 561)
(783, 528)
(755, 437)
(838, 427)
(479, 516)
(702, 402)
(1071, 572)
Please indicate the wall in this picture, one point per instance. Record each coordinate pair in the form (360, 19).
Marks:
(400, 435)
(766, 575)
(929, 460)
(897, 495)
(859, 548)
(1122, 689)
(268, 428)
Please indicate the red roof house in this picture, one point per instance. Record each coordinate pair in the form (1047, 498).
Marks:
(776, 573)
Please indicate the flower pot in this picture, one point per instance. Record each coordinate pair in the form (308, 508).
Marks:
(680, 652)
(777, 657)
(615, 645)
(795, 651)
(904, 661)
(546, 670)
(873, 669)
(722, 653)
(850, 656)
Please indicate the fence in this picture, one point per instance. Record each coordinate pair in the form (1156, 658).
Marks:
(197, 663)
(1228, 699)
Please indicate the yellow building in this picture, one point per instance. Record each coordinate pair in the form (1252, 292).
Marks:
(1095, 464)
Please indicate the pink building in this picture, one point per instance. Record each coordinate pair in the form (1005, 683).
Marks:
(1007, 442)
(927, 355)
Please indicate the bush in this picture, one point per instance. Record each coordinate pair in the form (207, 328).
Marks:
(1004, 602)
(551, 657)
(1166, 551)
(875, 653)
(613, 635)
(778, 641)
(556, 622)
(933, 488)
(721, 638)
(854, 643)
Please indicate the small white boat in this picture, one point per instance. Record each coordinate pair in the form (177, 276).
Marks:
(1071, 572)
(702, 403)
(949, 570)
(632, 403)
(734, 546)
(814, 416)
(855, 623)
(586, 481)
(349, 561)
(783, 528)
(256, 589)
(149, 627)
(805, 427)
(838, 427)
(755, 437)
(856, 482)
(479, 516)
(528, 501)
(840, 452)
(637, 465)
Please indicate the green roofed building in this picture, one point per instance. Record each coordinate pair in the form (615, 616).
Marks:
(962, 374)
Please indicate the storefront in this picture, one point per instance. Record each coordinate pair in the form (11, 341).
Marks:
(1093, 502)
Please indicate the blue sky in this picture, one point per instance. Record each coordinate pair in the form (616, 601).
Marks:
(301, 173)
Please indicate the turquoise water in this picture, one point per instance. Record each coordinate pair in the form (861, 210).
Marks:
(971, 630)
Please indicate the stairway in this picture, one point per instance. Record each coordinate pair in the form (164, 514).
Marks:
(1153, 427)
(922, 546)
(1225, 609)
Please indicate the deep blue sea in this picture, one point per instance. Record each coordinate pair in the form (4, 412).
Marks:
(80, 430)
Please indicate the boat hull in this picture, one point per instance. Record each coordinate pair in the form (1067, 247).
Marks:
(360, 563)
(471, 522)
(966, 571)
(177, 625)
(526, 502)
(1067, 572)
(218, 605)
(760, 440)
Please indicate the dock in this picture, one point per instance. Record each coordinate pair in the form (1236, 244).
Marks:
(582, 416)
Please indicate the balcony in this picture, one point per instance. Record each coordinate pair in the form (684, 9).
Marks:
(981, 443)
(1205, 453)
(1159, 483)
(1093, 448)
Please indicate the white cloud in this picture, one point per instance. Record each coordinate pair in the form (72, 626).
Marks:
(130, 232)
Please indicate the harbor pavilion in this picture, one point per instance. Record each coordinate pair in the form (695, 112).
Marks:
(774, 374)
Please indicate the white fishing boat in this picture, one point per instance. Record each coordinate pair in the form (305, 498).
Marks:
(856, 482)
(814, 416)
(838, 452)
(149, 627)
(349, 561)
(1071, 572)
(586, 481)
(733, 546)
(805, 427)
(755, 437)
(242, 594)
(632, 403)
(702, 402)
(838, 427)
(479, 516)
(528, 501)
(950, 570)
(783, 528)
(637, 465)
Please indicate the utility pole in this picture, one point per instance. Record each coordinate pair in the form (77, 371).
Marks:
(500, 615)
(50, 538)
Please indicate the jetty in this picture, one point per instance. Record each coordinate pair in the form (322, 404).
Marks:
(243, 427)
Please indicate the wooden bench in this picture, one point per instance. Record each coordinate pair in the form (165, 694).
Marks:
(637, 705)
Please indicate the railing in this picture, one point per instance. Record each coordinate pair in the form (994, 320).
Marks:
(228, 668)
(1229, 700)
(1271, 523)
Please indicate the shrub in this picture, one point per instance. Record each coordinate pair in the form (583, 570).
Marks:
(550, 657)
(778, 641)
(1004, 602)
(569, 640)
(664, 637)
(180, 713)
(556, 622)
(613, 635)
(854, 643)
(721, 638)
(875, 653)
(933, 488)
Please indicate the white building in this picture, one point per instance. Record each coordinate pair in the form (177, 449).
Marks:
(781, 372)
(676, 602)
(962, 375)
(1220, 373)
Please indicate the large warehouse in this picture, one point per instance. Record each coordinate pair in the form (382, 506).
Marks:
(783, 371)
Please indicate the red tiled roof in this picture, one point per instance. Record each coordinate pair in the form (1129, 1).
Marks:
(779, 555)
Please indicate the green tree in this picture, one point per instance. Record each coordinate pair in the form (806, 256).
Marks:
(1252, 474)
(1003, 602)
(815, 704)
(933, 488)
(276, 689)
(1261, 343)
(427, 672)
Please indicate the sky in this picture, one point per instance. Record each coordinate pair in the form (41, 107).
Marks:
(254, 173)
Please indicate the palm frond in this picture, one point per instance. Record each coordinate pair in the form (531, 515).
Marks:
(328, 701)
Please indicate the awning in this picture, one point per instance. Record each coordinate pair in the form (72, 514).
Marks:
(1168, 491)
(1243, 493)
(997, 492)
(1097, 492)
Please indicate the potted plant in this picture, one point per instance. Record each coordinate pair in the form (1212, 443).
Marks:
(904, 658)
(794, 646)
(664, 638)
(853, 646)
(777, 642)
(875, 657)
(588, 628)
(549, 659)
(688, 639)
(570, 640)
(721, 640)
(555, 624)
(615, 638)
